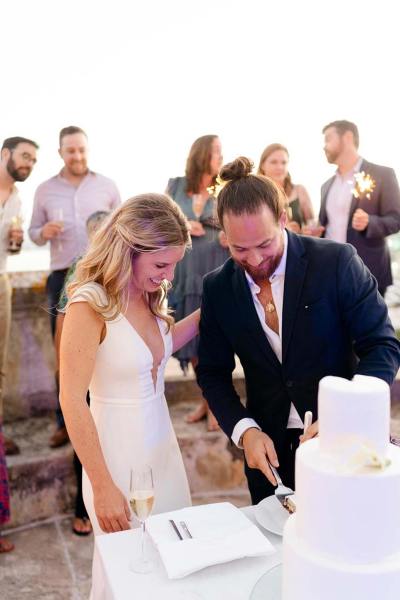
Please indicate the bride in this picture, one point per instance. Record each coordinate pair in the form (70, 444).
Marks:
(116, 341)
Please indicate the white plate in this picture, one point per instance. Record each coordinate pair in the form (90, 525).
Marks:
(269, 586)
(271, 515)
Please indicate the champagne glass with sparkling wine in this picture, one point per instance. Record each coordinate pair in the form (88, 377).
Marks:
(58, 217)
(141, 499)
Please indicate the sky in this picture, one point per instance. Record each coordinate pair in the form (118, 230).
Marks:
(144, 79)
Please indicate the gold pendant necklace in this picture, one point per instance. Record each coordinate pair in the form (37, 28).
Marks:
(270, 307)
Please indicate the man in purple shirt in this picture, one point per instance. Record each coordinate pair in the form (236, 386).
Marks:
(61, 208)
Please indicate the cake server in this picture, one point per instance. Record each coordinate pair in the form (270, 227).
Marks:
(281, 492)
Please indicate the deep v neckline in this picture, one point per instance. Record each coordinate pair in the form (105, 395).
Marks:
(154, 380)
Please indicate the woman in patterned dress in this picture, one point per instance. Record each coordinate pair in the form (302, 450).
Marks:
(5, 544)
(194, 194)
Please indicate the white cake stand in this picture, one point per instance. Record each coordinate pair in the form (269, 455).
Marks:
(269, 586)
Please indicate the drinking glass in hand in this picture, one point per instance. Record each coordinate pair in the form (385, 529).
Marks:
(313, 228)
(141, 500)
(14, 246)
(197, 206)
(58, 217)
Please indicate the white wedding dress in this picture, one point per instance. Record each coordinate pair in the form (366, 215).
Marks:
(131, 415)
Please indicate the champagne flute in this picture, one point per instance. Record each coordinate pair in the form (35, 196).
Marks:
(197, 206)
(141, 500)
(314, 226)
(58, 217)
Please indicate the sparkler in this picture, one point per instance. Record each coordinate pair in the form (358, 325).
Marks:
(364, 186)
(215, 189)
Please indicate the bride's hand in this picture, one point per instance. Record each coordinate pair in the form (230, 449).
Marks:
(311, 432)
(112, 509)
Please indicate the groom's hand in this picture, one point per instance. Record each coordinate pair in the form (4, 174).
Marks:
(259, 449)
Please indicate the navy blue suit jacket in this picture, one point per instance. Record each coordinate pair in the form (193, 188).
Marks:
(334, 323)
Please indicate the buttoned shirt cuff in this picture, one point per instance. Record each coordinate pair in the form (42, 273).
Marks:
(35, 234)
(239, 429)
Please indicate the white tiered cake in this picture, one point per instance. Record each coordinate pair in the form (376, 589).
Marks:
(343, 542)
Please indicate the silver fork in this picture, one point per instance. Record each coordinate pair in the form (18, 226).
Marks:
(185, 529)
(281, 492)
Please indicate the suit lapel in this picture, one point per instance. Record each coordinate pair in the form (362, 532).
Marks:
(296, 267)
(248, 313)
(323, 218)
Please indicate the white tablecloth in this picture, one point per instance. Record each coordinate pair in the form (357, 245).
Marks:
(234, 580)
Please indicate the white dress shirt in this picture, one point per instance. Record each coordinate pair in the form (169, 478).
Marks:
(11, 208)
(277, 281)
(338, 204)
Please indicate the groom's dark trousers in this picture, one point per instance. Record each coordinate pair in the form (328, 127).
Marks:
(334, 322)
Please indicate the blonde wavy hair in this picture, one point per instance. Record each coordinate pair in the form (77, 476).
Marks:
(144, 223)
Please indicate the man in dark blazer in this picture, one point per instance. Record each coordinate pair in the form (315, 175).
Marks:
(293, 309)
(364, 221)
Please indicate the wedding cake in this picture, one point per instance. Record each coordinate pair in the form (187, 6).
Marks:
(343, 542)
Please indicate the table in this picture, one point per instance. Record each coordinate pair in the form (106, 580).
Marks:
(234, 580)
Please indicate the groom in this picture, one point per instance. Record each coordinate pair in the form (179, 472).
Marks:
(293, 309)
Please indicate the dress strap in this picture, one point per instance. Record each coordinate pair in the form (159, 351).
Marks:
(91, 292)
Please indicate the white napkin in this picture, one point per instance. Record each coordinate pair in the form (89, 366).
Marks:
(221, 533)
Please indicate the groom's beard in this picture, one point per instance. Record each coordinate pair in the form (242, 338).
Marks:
(264, 270)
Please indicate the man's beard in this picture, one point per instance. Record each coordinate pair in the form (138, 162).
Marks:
(78, 169)
(331, 157)
(266, 268)
(19, 174)
(264, 271)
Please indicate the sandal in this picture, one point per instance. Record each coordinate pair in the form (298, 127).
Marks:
(86, 523)
(5, 545)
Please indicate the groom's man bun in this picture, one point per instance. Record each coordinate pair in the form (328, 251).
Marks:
(245, 192)
(241, 167)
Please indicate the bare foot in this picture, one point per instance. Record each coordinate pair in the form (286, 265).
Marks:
(81, 526)
(212, 423)
(198, 414)
(5, 545)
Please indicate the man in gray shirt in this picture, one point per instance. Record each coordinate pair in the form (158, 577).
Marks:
(18, 157)
(61, 208)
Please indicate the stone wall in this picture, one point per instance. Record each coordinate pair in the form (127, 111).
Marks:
(30, 387)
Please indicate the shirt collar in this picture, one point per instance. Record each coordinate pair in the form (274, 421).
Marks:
(88, 174)
(352, 171)
(13, 194)
(280, 269)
